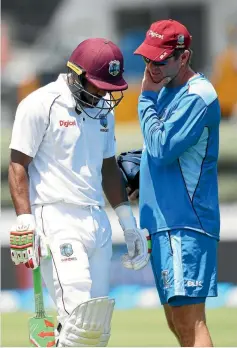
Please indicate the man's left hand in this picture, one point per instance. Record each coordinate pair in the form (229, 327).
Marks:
(139, 248)
(149, 85)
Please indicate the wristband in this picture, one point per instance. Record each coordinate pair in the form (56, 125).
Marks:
(126, 217)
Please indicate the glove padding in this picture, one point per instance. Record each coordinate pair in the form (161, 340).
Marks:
(129, 164)
(26, 246)
(139, 248)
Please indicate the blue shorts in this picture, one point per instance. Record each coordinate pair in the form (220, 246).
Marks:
(184, 264)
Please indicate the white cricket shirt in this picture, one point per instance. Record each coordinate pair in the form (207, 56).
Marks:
(67, 149)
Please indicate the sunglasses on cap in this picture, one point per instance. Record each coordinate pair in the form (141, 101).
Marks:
(163, 62)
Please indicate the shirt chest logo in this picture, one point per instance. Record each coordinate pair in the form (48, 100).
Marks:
(63, 123)
(104, 124)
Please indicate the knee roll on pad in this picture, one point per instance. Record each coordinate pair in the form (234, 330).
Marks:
(88, 325)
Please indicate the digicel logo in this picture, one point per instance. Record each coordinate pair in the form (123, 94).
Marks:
(67, 123)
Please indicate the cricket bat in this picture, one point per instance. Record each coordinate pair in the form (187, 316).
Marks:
(41, 327)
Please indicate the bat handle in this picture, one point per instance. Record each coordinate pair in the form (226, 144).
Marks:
(38, 292)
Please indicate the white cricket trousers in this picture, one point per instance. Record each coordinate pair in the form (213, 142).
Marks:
(81, 249)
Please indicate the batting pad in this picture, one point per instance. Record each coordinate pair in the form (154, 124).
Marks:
(104, 338)
(88, 325)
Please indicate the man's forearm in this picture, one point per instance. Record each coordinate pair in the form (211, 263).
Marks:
(115, 191)
(19, 188)
(114, 188)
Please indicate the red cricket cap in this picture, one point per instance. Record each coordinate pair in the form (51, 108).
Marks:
(102, 62)
(163, 38)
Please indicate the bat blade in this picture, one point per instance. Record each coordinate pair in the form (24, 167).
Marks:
(42, 332)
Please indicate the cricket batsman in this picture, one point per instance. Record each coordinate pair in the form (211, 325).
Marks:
(179, 115)
(62, 159)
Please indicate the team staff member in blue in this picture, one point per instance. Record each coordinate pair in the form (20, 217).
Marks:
(179, 116)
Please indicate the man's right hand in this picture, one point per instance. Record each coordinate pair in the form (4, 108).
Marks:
(132, 195)
(24, 243)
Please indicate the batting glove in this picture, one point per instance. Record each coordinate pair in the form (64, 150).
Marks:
(137, 240)
(139, 249)
(24, 243)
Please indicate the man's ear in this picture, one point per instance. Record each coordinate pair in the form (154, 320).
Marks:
(186, 57)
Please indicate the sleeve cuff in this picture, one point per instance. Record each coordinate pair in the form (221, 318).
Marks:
(27, 152)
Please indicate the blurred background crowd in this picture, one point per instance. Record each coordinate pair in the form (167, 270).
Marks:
(37, 38)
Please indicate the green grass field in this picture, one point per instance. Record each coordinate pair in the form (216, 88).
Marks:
(134, 328)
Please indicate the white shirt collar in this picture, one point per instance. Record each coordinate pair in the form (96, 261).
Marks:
(65, 91)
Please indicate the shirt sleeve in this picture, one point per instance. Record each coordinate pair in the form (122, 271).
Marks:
(110, 148)
(166, 140)
(29, 127)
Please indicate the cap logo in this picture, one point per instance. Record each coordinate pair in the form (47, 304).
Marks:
(114, 67)
(180, 41)
(163, 55)
(154, 34)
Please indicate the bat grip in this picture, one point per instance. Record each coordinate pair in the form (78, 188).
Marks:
(38, 292)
